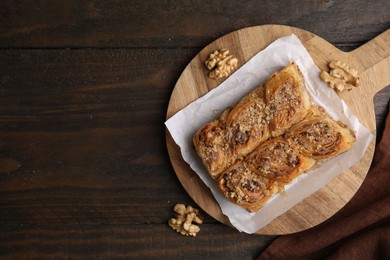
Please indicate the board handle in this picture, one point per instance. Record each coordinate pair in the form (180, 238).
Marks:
(375, 59)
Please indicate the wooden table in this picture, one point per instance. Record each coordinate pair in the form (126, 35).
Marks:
(84, 89)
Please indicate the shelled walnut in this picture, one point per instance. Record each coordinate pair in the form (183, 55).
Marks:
(340, 76)
(220, 64)
(183, 218)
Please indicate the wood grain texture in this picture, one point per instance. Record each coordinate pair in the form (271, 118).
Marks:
(126, 242)
(70, 128)
(372, 61)
(76, 179)
(84, 90)
(159, 24)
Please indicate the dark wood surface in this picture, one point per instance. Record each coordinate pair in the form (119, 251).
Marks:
(84, 88)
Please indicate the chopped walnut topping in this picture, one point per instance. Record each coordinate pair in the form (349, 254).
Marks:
(317, 138)
(282, 105)
(276, 160)
(240, 182)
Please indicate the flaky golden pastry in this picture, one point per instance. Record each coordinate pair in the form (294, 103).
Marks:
(287, 99)
(213, 148)
(266, 140)
(279, 160)
(266, 111)
(320, 137)
(246, 123)
(253, 181)
(246, 188)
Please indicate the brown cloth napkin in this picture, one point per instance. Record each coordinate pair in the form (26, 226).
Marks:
(360, 230)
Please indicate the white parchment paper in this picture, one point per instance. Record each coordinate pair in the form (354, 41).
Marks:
(183, 125)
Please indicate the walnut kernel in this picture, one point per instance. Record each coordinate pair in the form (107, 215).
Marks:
(340, 76)
(183, 218)
(220, 64)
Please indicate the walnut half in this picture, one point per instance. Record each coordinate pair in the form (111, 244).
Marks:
(340, 76)
(220, 64)
(183, 218)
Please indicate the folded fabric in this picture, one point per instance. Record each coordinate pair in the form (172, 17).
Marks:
(360, 230)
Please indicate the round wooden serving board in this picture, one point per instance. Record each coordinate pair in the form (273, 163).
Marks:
(372, 61)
